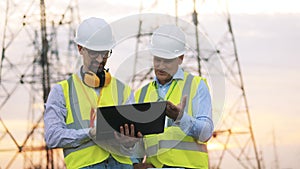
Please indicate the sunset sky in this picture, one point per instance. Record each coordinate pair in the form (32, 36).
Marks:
(267, 35)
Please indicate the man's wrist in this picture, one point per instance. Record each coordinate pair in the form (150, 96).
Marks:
(92, 133)
(177, 122)
(179, 117)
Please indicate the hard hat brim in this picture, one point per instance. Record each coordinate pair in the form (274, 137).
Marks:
(165, 54)
(96, 47)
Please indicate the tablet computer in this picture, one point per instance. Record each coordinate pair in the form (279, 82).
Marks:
(148, 118)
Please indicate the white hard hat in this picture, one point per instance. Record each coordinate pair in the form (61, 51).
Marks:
(95, 34)
(168, 42)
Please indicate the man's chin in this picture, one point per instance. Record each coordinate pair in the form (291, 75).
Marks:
(162, 77)
(96, 69)
(162, 74)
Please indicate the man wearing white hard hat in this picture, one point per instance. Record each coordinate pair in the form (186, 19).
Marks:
(189, 123)
(71, 105)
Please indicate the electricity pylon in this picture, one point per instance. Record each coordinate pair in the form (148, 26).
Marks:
(31, 61)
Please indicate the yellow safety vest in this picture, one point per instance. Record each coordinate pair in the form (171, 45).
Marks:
(174, 147)
(80, 99)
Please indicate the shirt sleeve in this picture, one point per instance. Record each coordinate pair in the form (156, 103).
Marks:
(200, 125)
(56, 132)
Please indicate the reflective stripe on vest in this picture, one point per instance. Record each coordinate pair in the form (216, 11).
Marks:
(67, 151)
(115, 93)
(78, 123)
(187, 89)
(120, 88)
(175, 144)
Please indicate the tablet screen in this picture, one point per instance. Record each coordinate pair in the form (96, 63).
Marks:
(148, 118)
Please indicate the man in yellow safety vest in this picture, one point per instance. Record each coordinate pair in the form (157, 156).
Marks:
(71, 105)
(189, 122)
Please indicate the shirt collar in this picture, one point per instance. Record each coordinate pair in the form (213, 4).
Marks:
(179, 75)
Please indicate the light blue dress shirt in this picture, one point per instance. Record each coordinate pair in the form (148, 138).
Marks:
(200, 125)
(57, 135)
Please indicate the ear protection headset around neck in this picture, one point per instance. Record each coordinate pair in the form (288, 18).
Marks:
(91, 79)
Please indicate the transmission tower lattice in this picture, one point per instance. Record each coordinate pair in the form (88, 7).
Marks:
(32, 59)
(233, 143)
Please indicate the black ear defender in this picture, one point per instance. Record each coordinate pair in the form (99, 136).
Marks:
(91, 79)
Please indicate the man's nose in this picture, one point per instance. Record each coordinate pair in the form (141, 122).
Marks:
(99, 58)
(160, 65)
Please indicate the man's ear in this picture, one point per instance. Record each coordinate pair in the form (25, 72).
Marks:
(80, 49)
(180, 59)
